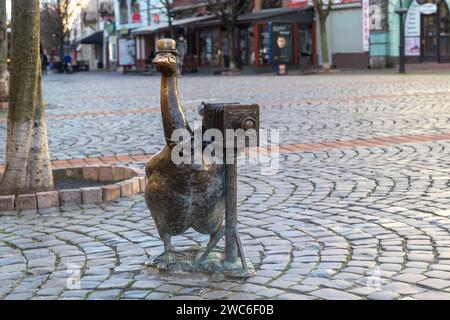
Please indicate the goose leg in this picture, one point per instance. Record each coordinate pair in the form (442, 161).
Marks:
(167, 240)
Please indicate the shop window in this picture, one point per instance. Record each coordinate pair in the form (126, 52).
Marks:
(225, 51)
(123, 10)
(444, 29)
(192, 44)
(243, 46)
(264, 46)
(251, 51)
(208, 44)
(305, 46)
(270, 4)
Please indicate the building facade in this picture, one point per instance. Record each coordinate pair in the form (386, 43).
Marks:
(427, 32)
(93, 34)
(208, 47)
(361, 33)
(134, 49)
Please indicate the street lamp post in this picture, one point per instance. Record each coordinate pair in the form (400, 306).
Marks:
(401, 11)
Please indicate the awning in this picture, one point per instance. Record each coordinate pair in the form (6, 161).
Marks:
(176, 23)
(150, 29)
(305, 15)
(94, 38)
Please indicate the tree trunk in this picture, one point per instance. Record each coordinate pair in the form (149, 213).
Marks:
(324, 43)
(232, 49)
(28, 166)
(4, 74)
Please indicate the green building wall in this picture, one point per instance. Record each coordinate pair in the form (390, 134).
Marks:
(384, 50)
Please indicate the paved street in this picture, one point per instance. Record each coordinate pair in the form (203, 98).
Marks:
(359, 209)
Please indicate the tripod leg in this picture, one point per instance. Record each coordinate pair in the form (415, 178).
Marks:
(213, 243)
(241, 250)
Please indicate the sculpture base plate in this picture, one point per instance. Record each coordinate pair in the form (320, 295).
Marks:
(188, 262)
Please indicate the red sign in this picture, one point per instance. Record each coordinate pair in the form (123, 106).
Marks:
(136, 17)
(305, 3)
(298, 3)
(282, 69)
(156, 18)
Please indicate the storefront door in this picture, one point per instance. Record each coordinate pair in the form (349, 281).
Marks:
(305, 46)
(429, 38)
(435, 32)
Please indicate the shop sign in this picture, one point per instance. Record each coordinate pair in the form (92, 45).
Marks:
(281, 43)
(366, 25)
(127, 52)
(298, 3)
(428, 8)
(412, 46)
(412, 23)
(136, 17)
(305, 3)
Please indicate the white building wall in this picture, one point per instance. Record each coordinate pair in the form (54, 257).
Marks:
(344, 31)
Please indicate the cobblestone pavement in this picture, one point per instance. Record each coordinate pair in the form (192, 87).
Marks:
(344, 221)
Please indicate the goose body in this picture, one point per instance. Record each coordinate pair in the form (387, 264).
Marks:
(180, 196)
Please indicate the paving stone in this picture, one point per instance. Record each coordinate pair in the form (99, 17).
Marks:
(333, 294)
(105, 295)
(402, 288)
(90, 173)
(409, 277)
(142, 184)
(294, 296)
(115, 283)
(270, 293)
(78, 294)
(19, 296)
(158, 296)
(434, 283)
(91, 195)
(432, 295)
(26, 202)
(217, 295)
(126, 189)
(243, 296)
(6, 203)
(105, 174)
(136, 186)
(147, 284)
(111, 193)
(135, 294)
(384, 295)
(47, 200)
(120, 173)
(69, 197)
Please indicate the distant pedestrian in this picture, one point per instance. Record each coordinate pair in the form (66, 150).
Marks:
(67, 63)
(181, 48)
(44, 63)
(150, 59)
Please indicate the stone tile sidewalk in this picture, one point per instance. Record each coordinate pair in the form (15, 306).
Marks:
(359, 208)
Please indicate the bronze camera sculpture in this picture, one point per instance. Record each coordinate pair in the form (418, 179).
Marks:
(194, 195)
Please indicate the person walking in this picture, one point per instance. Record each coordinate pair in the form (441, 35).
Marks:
(181, 48)
(67, 63)
(44, 63)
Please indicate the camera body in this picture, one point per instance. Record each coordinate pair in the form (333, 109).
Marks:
(232, 116)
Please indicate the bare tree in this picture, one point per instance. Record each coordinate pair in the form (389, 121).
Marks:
(55, 16)
(229, 11)
(166, 8)
(4, 74)
(323, 11)
(28, 165)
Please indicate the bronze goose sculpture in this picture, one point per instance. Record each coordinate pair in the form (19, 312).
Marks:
(181, 196)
